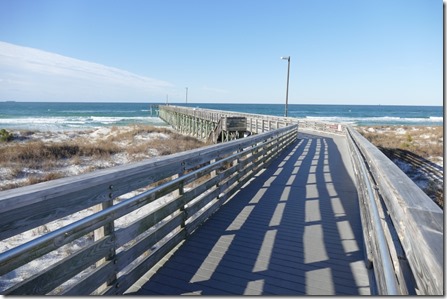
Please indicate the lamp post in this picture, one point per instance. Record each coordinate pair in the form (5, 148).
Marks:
(186, 96)
(288, 73)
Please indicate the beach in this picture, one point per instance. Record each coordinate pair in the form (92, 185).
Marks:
(417, 150)
(426, 141)
(38, 156)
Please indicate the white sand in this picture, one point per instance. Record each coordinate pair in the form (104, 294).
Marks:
(84, 164)
(422, 138)
(70, 169)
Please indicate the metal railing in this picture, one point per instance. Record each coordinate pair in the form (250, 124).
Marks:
(402, 226)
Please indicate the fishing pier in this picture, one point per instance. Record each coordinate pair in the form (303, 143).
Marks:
(273, 206)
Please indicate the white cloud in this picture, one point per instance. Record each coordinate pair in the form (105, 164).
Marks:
(29, 74)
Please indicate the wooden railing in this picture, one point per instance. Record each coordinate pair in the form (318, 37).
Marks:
(403, 228)
(256, 123)
(163, 199)
(202, 123)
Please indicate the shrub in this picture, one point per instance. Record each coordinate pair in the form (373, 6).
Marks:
(416, 142)
(44, 178)
(21, 159)
(425, 142)
(5, 136)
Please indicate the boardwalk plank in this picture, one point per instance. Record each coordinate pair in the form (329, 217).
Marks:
(164, 284)
(245, 246)
(285, 272)
(289, 270)
(220, 277)
(294, 230)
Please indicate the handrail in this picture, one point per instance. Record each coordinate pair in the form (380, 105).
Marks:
(215, 115)
(389, 278)
(197, 182)
(414, 231)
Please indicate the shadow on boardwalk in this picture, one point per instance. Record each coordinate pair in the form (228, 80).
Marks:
(294, 230)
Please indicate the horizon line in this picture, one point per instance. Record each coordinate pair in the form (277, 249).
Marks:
(216, 103)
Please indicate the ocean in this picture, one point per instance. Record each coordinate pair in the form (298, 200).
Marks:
(77, 116)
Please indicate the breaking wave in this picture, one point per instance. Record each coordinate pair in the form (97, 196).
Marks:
(75, 122)
(384, 120)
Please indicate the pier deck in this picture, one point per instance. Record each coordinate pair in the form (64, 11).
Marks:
(294, 229)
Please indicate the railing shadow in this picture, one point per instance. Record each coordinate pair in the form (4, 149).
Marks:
(294, 230)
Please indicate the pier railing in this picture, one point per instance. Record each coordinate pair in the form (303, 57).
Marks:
(185, 120)
(402, 227)
(163, 200)
(256, 123)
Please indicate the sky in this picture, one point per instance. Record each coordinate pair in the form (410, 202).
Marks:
(387, 52)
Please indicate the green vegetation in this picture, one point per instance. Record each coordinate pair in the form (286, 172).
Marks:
(5, 136)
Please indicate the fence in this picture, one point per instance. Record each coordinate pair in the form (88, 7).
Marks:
(176, 194)
(402, 227)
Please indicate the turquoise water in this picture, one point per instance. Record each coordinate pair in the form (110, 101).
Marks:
(69, 116)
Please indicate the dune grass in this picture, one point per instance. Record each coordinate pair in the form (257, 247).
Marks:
(26, 162)
(424, 142)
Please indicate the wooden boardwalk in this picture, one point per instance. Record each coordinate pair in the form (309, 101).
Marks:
(294, 230)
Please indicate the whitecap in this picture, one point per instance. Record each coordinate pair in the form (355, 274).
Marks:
(390, 120)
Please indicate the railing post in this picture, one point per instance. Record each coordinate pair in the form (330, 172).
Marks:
(108, 229)
(278, 144)
(180, 191)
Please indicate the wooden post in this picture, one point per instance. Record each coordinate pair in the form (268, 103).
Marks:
(108, 229)
(214, 172)
(195, 126)
(202, 130)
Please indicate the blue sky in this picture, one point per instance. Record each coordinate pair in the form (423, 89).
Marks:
(342, 51)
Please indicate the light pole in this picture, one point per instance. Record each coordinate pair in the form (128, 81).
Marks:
(186, 96)
(288, 73)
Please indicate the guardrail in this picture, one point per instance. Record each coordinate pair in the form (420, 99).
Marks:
(256, 123)
(402, 227)
(179, 193)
